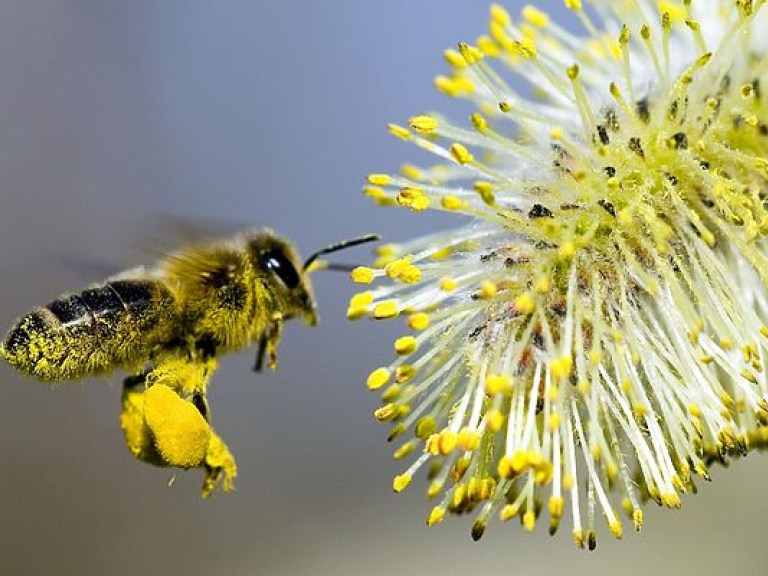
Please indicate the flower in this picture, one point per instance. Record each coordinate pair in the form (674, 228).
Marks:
(595, 335)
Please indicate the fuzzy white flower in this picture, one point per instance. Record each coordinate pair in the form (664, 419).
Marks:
(599, 325)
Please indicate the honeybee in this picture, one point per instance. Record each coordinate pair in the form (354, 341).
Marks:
(166, 325)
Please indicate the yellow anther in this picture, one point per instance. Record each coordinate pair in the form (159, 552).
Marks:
(488, 290)
(411, 171)
(500, 16)
(554, 422)
(404, 373)
(423, 124)
(399, 131)
(425, 427)
(471, 54)
(468, 439)
(451, 202)
(404, 450)
(447, 442)
(637, 519)
(401, 482)
(506, 468)
(529, 521)
(413, 198)
(406, 345)
(595, 356)
(436, 516)
(567, 250)
(525, 47)
(447, 86)
(460, 154)
(434, 488)
(508, 512)
(676, 12)
(616, 529)
(447, 284)
(410, 274)
(441, 253)
(362, 275)
(358, 305)
(379, 179)
(556, 133)
(561, 367)
(573, 71)
(454, 58)
(396, 267)
(573, 4)
(556, 506)
(392, 393)
(418, 321)
(542, 285)
(485, 190)
(385, 310)
(386, 412)
(497, 384)
(567, 481)
(495, 420)
(488, 46)
(694, 411)
(378, 378)
(535, 16)
(479, 122)
(524, 304)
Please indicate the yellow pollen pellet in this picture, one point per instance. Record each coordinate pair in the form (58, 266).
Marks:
(488, 290)
(418, 321)
(452, 203)
(362, 275)
(405, 345)
(461, 154)
(423, 124)
(447, 284)
(497, 384)
(378, 378)
(385, 310)
(524, 304)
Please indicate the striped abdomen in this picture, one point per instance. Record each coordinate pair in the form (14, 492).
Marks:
(93, 332)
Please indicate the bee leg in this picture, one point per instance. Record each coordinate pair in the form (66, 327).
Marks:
(273, 339)
(219, 465)
(261, 351)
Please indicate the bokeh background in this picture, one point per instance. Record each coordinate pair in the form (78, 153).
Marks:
(266, 112)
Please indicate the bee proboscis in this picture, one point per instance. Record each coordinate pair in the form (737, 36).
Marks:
(166, 325)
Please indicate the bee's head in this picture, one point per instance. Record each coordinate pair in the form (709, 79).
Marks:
(281, 270)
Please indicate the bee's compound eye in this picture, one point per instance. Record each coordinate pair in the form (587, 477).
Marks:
(282, 267)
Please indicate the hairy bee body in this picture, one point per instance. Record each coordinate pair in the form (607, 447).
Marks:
(202, 301)
(166, 326)
(118, 324)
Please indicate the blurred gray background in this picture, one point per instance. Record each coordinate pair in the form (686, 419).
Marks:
(267, 112)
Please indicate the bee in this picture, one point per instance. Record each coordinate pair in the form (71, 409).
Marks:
(166, 326)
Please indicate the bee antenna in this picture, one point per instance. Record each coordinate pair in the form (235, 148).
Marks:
(341, 246)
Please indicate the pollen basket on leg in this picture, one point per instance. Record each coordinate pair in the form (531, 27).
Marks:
(595, 336)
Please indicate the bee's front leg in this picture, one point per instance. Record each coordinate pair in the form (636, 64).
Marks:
(268, 342)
